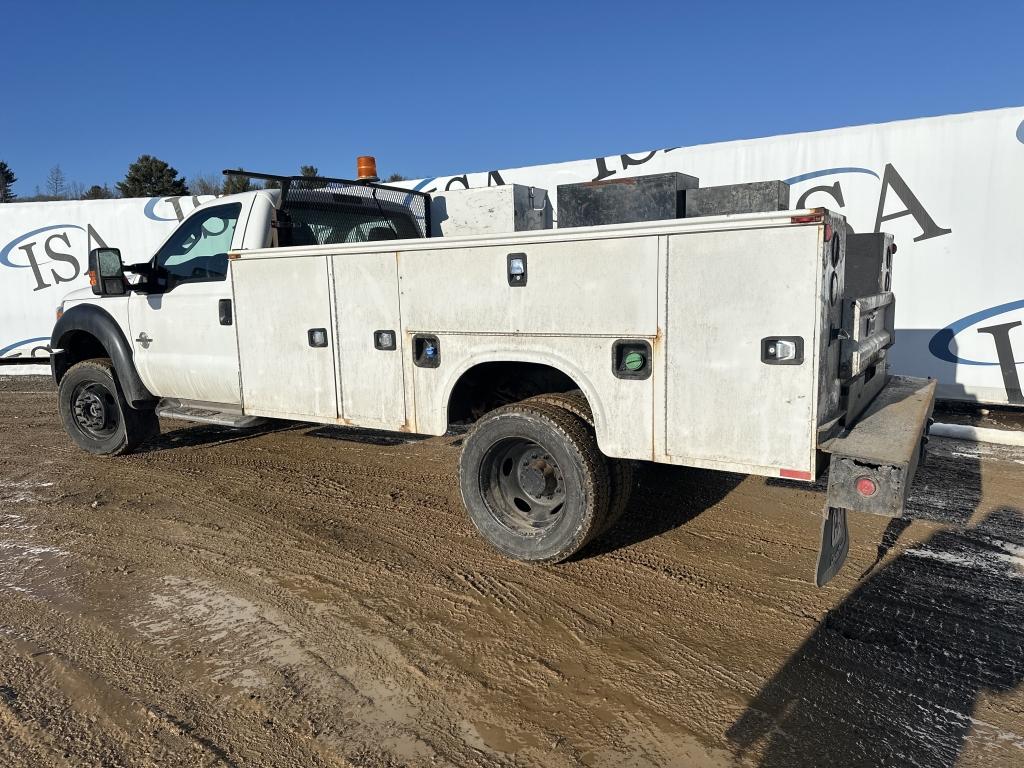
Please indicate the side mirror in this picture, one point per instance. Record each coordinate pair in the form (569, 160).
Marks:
(106, 273)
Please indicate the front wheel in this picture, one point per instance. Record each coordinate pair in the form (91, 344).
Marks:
(95, 413)
(534, 482)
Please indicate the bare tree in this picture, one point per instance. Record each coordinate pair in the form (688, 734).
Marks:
(56, 184)
(206, 184)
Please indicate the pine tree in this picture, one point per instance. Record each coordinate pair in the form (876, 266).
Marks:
(151, 177)
(310, 172)
(235, 184)
(96, 192)
(7, 179)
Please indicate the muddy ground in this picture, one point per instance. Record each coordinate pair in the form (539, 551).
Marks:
(306, 596)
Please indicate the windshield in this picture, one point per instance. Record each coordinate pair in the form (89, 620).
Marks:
(316, 225)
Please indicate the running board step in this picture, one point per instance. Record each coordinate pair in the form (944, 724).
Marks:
(208, 413)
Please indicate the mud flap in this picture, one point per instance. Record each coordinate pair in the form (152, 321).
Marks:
(835, 545)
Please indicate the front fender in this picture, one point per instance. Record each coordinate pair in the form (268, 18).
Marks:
(98, 323)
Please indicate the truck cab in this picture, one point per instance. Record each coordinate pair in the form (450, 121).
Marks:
(177, 314)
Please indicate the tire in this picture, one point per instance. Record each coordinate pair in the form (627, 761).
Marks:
(621, 472)
(533, 481)
(95, 413)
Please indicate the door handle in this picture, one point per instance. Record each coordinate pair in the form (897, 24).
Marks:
(224, 311)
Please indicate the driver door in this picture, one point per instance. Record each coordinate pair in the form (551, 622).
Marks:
(182, 337)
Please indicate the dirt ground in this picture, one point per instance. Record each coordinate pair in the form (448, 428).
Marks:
(306, 596)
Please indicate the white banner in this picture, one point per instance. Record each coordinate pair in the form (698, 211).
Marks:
(949, 189)
(44, 249)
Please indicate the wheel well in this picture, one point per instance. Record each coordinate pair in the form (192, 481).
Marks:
(78, 346)
(487, 386)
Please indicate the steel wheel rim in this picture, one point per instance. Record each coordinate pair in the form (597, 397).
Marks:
(94, 410)
(522, 486)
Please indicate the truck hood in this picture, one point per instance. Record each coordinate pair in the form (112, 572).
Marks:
(80, 295)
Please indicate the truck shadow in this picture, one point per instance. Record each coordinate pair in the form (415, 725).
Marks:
(665, 497)
(892, 675)
(361, 435)
(203, 435)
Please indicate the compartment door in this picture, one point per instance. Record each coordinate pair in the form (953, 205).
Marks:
(370, 373)
(282, 314)
(727, 292)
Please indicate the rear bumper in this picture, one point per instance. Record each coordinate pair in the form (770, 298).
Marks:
(885, 445)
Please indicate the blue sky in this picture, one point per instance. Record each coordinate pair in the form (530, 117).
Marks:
(433, 88)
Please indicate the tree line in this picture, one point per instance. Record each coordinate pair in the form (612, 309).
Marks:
(148, 176)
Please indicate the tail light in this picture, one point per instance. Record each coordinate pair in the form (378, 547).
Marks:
(811, 219)
(866, 486)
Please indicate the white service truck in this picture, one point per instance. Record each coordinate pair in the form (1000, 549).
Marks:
(729, 342)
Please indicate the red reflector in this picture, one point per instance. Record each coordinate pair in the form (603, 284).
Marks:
(828, 232)
(795, 474)
(866, 486)
(814, 217)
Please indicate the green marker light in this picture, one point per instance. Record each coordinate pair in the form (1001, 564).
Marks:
(634, 361)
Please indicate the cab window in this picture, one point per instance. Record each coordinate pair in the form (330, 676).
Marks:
(198, 250)
(316, 225)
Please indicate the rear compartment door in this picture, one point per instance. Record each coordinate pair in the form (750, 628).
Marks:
(727, 293)
(286, 342)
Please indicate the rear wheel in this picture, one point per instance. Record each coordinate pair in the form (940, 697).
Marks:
(534, 482)
(621, 472)
(95, 413)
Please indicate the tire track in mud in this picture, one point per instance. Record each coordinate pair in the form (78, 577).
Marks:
(289, 598)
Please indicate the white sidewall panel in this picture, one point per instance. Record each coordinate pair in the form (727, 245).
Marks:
(726, 292)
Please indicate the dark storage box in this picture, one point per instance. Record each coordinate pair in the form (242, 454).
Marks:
(868, 264)
(617, 201)
(756, 197)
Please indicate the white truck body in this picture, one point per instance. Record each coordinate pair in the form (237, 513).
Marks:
(702, 292)
(725, 342)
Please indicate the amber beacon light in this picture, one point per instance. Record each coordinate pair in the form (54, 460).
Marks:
(366, 168)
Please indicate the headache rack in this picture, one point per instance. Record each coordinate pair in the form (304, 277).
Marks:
(325, 202)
